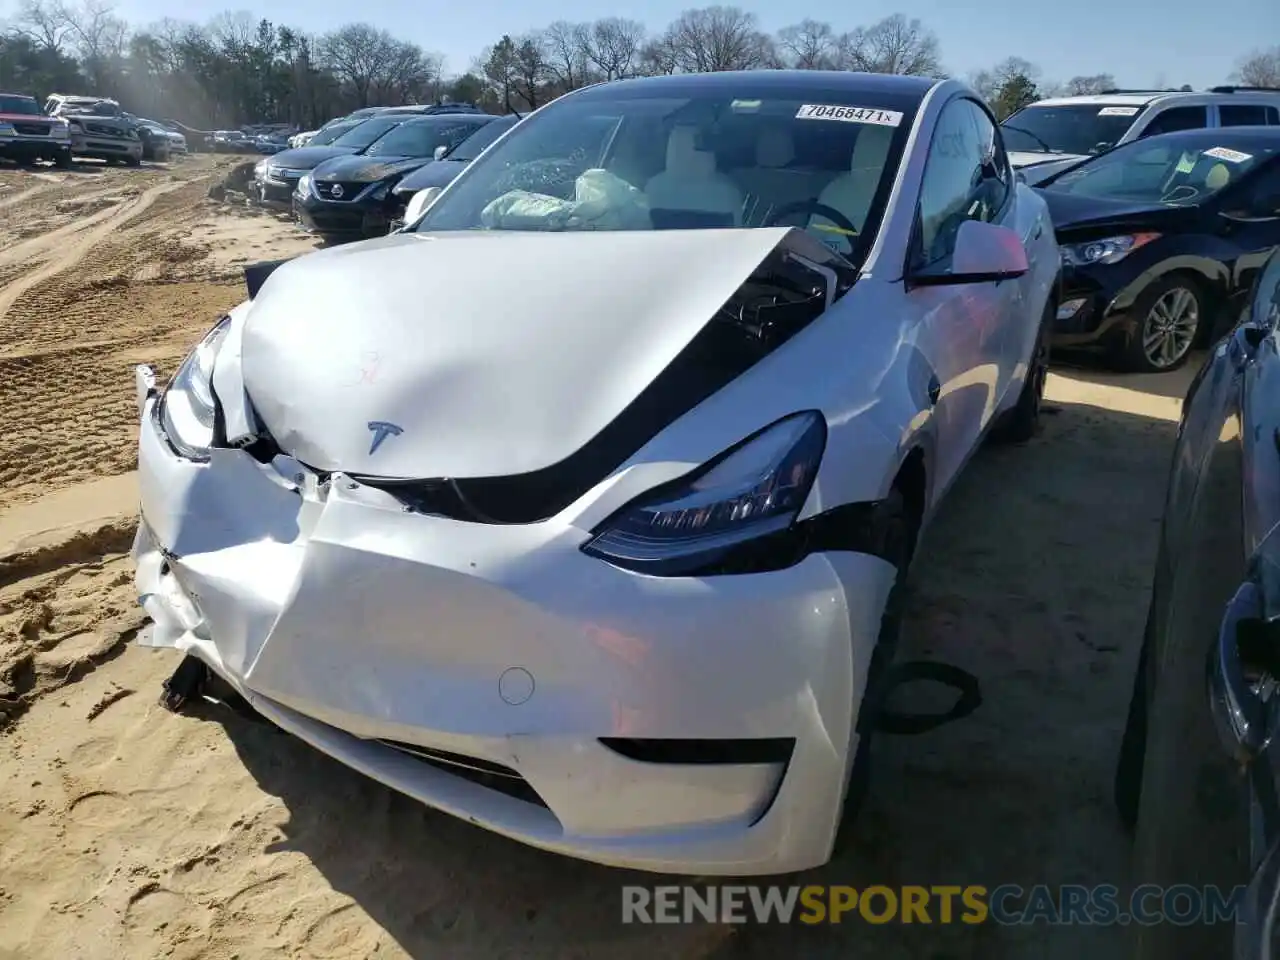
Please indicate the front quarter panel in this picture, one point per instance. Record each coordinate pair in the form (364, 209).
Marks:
(857, 365)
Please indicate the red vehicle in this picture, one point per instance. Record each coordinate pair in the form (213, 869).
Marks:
(26, 134)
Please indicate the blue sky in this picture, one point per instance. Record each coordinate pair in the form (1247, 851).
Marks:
(1135, 40)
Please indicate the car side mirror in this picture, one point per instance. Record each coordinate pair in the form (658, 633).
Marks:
(439, 152)
(419, 202)
(984, 253)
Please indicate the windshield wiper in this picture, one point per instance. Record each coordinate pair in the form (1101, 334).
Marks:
(1047, 148)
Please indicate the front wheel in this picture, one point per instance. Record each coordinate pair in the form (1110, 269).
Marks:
(1167, 318)
(62, 160)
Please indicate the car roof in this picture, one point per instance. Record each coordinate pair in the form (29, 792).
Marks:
(1141, 98)
(764, 82)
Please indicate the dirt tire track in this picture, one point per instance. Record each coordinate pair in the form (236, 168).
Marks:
(73, 253)
(23, 195)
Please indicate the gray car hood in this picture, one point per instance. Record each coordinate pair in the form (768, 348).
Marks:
(487, 353)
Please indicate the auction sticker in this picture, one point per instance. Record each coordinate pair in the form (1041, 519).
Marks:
(1225, 153)
(1117, 111)
(829, 111)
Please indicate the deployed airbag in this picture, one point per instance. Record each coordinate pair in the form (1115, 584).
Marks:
(601, 201)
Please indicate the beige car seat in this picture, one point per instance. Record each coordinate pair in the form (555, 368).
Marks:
(691, 182)
(1217, 177)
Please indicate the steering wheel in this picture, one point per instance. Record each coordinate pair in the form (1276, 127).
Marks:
(813, 207)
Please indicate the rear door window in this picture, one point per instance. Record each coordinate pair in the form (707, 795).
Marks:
(1248, 115)
(1177, 118)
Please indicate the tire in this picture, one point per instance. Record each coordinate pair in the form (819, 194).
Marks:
(1176, 301)
(1127, 787)
(132, 162)
(900, 533)
(62, 160)
(1021, 423)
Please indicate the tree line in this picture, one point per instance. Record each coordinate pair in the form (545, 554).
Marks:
(240, 69)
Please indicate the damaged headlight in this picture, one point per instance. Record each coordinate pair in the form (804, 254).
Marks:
(187, 407)
(751, 491)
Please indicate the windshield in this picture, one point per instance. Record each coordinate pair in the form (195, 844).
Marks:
(330, 134)
(20, 105)
(1169, 170)
(1079, 128)
(819, 160)
(365, 132)
(420, 137)
(474, 145)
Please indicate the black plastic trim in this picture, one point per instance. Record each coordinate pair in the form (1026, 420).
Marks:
(702, 752)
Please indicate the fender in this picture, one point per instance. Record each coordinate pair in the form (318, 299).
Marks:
(1204, 257)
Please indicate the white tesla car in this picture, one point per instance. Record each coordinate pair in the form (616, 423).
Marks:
(576, 508)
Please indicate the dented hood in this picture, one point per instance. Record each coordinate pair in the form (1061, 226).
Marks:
(478, 354)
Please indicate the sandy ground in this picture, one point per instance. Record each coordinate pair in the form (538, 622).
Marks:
(129, 832)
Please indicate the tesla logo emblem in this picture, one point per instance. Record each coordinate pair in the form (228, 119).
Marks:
(381, 430)
(337, 190)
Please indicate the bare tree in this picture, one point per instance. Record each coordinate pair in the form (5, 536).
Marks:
(234, 32)
(718, 38)
(613, 46)
(99, 38)
(408, 76)
(1260, 69)
(44, 22)
(359, 56)
(1088, 85)
(565, 47)
(894, 45)
(659, 57)
(808, 45)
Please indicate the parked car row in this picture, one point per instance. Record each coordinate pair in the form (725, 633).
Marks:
(353, 179)
(80, 126)
(247, 141)
(428, 109)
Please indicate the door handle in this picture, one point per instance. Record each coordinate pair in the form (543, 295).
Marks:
(1038, 232)
(935, 391)
(1245, 722)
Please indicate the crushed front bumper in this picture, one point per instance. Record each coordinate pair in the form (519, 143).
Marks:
(681, 725)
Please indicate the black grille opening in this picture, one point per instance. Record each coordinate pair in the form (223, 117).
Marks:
(32, 129)
(700, 751)
(484, 773)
